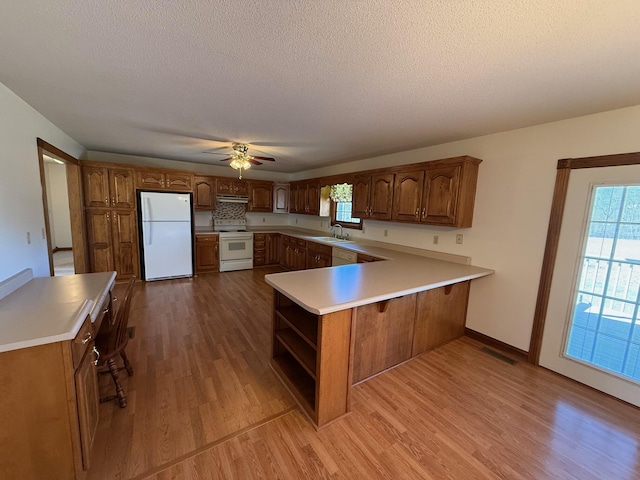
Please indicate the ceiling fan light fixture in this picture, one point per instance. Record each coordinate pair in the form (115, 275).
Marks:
(240, 161)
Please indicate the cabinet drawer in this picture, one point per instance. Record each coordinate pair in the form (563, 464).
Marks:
(257, 245)
(301, 243)
(206, 238)
(259, 237)
(79, 345)
(319, 248)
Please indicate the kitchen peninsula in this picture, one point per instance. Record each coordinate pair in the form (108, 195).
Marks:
(334, 327)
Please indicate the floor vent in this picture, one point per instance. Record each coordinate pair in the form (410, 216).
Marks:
(498, 355)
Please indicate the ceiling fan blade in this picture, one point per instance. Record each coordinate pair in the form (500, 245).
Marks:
(226, 159)
(216, 153)
(255, 162)
(268, 159)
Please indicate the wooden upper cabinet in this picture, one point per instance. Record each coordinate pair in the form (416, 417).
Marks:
(373, 196)
(293, 198)
(313, 198)
(96, 186)
(450, 192)
(149, 179)
(204, 193)
(440, 197)
(281, 198)
(260, 197)
(361, 194)
(179, 181)
(160, 180)
(122, 188)
(231, 186)
(442, 193)
(407, 195)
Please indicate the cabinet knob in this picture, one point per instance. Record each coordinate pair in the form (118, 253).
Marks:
(424, 212)
(106, 201)
(417, 212)
(113, 201)
(87, 338)
(107, 216)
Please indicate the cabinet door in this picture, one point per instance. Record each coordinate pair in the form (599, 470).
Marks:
(381, 196)
(260, 197)
(300, 261)
(293, 198)
(240, 188)
(87, 399)
(281, 198)
(146, 179)
(207, 254)
(122, 188)
(125, 243)
(361, 193)
(99, 240)
(272, 255)
(96, 186)
(313, 198)
(407, 195)
(440, 316)
(179, 181)
(204, 193)
(441, 190)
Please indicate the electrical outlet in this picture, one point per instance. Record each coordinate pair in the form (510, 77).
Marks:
(321, 224)
(386, 233)
(364, 230)
(263, 220)
(459, 239)
(44, 235)
(28, 238)
(435, 239)
(296, 221)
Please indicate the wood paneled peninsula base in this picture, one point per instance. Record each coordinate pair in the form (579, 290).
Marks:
(321, 349)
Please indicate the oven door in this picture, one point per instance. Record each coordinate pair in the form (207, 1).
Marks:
(236, 248)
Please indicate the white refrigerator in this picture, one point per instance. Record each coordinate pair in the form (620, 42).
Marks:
(166, 235)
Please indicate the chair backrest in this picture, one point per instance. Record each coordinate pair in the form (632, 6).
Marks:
(111, 340)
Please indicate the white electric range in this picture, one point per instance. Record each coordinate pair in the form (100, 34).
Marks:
(236, 244)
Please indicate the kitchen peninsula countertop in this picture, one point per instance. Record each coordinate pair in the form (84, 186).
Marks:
(331, 289)
(50, 309)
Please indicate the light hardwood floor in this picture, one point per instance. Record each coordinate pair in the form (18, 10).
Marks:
(204, 404)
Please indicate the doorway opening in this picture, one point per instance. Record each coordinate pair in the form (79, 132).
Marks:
(62, 203)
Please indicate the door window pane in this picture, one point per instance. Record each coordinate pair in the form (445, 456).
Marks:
(604, 330)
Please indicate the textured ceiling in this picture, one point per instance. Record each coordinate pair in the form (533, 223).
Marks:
(314, 82)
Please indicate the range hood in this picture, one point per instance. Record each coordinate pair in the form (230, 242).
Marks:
(232, 198)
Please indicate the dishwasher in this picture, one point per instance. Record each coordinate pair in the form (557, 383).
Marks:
(340, 256)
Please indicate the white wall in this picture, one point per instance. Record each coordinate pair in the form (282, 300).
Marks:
(58, 203)
(21, 208)
(512, 209)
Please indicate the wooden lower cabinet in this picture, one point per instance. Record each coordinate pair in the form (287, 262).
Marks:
(311, 356)
(207, 254)
(318, 255)
(266, 249)
(49, 414)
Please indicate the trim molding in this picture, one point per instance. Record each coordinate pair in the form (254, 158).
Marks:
(56, 151)
(521, 355)
(553, 235)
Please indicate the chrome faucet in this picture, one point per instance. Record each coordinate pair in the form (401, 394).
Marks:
(333, 233)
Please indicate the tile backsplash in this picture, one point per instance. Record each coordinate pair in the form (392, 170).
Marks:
(223, 211)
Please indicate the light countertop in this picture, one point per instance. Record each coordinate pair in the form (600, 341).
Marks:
(51, 309)
(326, 290)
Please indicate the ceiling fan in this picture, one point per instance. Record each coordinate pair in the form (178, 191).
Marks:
(241, 160)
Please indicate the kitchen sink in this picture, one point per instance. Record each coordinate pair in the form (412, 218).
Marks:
(332, 240)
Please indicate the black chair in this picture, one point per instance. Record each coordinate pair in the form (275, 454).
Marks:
(111, 342)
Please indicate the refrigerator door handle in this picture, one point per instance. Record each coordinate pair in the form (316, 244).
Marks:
(147, 210)
(149, 229)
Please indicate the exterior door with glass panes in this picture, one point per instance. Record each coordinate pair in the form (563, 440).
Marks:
(592, 329)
